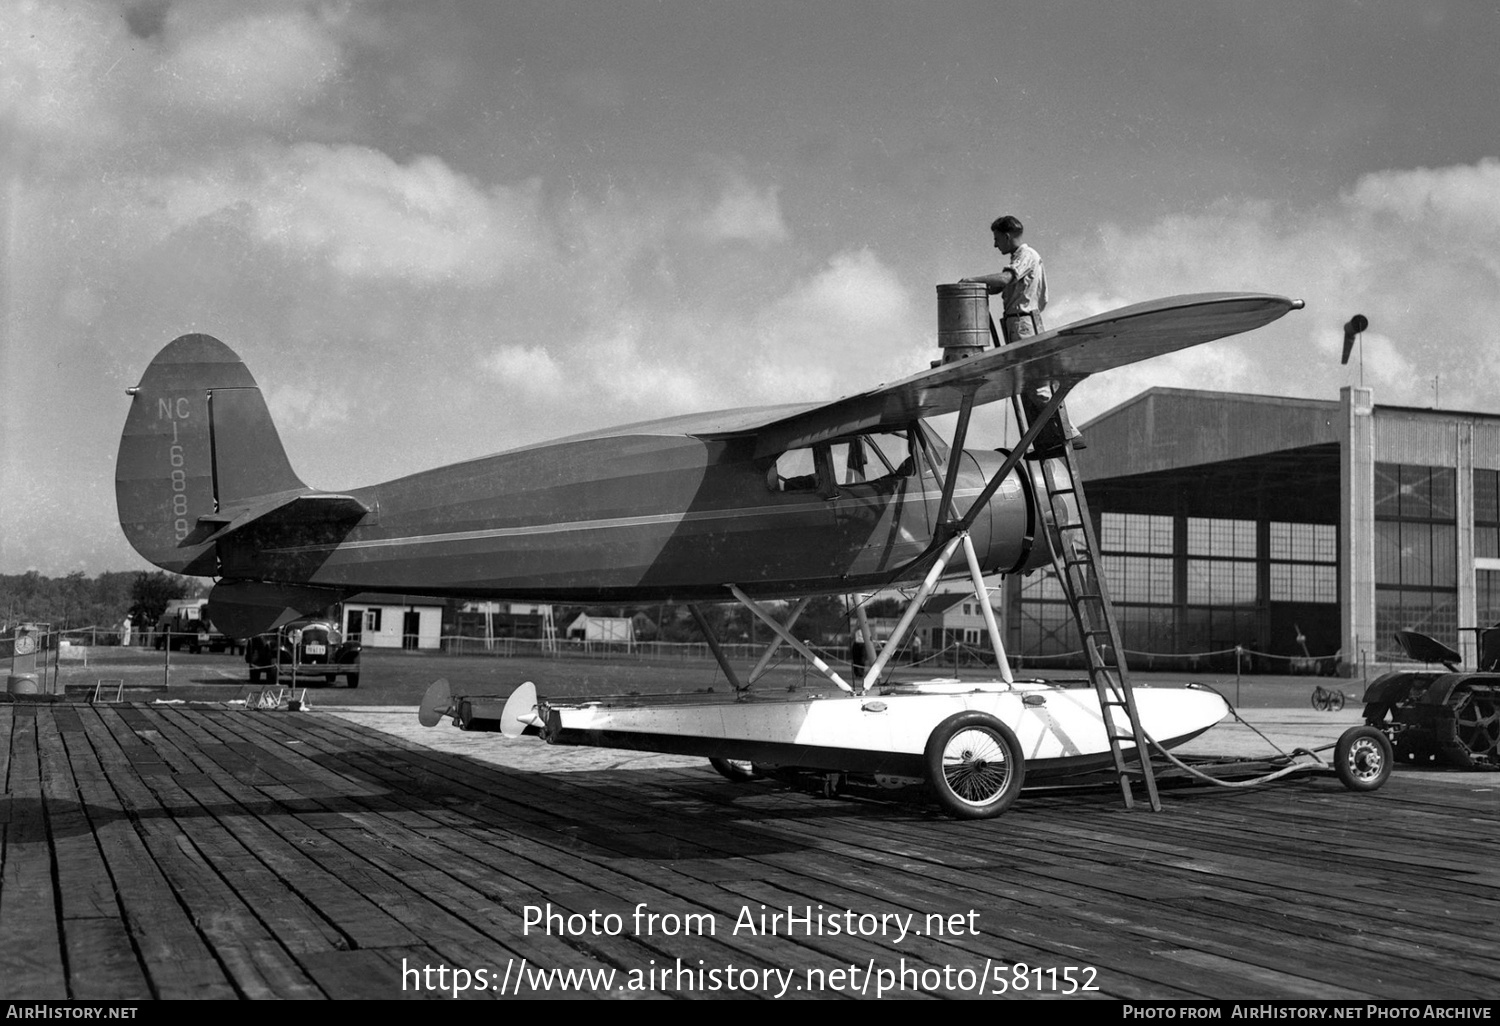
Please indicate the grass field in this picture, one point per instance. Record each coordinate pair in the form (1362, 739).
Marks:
(400, 678)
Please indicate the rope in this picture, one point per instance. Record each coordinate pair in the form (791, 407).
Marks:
(1253, 782)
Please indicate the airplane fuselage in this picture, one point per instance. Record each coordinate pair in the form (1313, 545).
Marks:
(634, 517)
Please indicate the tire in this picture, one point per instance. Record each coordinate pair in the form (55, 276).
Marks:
(351, 679)
(974, 765)
(1336, 701)
(736, 771)
(1363, 758)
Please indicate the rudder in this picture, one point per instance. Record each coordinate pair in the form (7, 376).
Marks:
(198, 438)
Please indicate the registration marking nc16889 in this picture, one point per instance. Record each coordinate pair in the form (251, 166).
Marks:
(175, 411)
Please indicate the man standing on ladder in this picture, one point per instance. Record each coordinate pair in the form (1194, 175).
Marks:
(1023, 291)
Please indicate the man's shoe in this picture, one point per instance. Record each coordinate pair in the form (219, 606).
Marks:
(1078, 442)
(1053, 453)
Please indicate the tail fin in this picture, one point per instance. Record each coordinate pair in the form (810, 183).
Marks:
(198, 439)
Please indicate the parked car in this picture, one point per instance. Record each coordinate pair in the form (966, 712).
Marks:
(303, 650)
(185, 624)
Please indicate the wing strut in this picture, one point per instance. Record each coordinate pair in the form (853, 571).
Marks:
(765, 659)
(714, 647)
(955, 456)
(784, 632)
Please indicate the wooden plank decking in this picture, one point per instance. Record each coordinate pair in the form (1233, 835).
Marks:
(180, 852)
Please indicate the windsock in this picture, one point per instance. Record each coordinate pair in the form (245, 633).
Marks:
(1356, 324)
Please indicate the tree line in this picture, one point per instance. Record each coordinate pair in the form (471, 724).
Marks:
(74, 601)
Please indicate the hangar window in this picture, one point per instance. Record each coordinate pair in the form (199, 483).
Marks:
(1221, 563)
(1487, 514)
(1046, 623)
(1138, 578)
(1135, 532)
(1487, 596)
(1304, 562)
(1416, 550)
(1221, 538)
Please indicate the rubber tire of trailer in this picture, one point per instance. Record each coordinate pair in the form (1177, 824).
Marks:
(988, 794)
(1351, 758)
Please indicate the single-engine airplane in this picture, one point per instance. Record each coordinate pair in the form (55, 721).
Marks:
(766, 503)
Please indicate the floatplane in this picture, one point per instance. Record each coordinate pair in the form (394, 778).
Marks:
(765, 506)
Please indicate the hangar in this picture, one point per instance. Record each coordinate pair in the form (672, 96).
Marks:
(1288, 527)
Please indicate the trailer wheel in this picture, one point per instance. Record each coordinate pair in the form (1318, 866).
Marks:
(738, 771)
(1363, 758)
(974, 765)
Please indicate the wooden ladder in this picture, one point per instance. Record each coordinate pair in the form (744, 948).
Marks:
(1075, 558)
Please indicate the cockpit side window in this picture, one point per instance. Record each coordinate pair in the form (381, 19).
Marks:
(795, 470)
(857, 459)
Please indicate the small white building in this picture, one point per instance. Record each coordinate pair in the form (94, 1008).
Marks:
(952, 618)
(385, 620)
(583, 627)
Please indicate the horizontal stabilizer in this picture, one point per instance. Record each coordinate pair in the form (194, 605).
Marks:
(243, 609)
(276, 514)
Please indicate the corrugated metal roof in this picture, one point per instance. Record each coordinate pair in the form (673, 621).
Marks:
(1168, 428)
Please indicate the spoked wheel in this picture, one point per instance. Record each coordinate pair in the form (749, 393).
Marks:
(1363, 758)
(974, 765)
(740, 771)
(1477, 725)
(1335, 701)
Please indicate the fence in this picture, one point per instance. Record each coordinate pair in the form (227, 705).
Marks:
(956, 655)
(94, 644)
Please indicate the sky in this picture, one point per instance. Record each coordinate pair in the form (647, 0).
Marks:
(439, 230)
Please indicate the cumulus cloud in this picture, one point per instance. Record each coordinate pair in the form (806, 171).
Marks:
(852, 324)
(1417, 251)
(372, 217)
(76, 76)
(747, 213)
(257, 65)
(302, 406)
(525, 368)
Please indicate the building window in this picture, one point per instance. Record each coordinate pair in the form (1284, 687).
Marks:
(1221, 562)
(1046, 623)
(1304, 562)
(372, 619)
(1416, 551)
(1486, 514)
(1228, 539)
(1487, 597)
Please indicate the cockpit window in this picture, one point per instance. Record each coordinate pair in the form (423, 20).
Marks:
(795, 470)
(859, 459)
(874, 456)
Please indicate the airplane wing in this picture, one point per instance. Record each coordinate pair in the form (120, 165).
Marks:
(1069, 353)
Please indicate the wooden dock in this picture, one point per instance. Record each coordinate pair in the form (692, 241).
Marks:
(180, 852)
